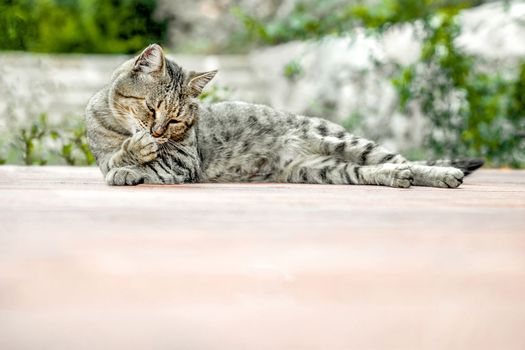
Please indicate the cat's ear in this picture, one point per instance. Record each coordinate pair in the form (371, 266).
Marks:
(150, 60)
(197, 81)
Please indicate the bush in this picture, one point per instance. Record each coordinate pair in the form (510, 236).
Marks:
(471, 112)
(43, 144)
(89, 26)
(314, 20)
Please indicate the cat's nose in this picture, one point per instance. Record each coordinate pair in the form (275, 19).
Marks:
(156, 132)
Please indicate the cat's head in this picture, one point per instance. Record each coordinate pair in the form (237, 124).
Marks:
(153, 93)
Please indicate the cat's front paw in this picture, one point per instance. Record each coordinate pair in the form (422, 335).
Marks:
(144, 147)
(124, 176)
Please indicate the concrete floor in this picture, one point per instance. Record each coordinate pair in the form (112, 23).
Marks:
(250, 266)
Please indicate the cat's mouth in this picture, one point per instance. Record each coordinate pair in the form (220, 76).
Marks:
(161, 137)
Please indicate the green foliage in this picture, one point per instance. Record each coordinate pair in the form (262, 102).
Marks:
(353, 122)
(30, 140)
(41, 143)
(471, 112)
(293, 70)
(215, 94)
(95, 26)
(313, 20)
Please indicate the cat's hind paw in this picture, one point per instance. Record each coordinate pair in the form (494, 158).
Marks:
(436, 176)
(451, 178)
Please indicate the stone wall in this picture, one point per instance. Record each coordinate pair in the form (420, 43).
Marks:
(61, 85)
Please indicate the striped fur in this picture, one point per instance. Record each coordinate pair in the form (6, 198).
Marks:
(147, 126)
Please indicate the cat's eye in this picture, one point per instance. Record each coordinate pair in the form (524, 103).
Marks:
(151, 109)
(173, 121)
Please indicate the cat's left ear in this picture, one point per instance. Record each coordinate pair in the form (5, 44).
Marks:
(150, 60)
(197, 81)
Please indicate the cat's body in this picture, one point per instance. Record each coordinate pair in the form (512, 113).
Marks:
(148, 127)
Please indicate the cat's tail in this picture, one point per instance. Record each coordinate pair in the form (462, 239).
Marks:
(467, 165)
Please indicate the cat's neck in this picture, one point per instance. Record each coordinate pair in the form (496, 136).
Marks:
(189, 140)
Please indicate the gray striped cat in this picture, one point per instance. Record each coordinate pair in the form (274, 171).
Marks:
(148, 126)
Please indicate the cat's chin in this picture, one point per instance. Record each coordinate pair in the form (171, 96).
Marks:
(162, 140)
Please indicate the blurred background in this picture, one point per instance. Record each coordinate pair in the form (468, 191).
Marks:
(428, 78)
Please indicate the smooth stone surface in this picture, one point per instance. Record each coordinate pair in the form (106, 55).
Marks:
(259, 266)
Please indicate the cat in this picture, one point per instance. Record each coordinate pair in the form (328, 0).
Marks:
(148, 126)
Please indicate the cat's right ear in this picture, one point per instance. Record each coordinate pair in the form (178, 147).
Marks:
(150, 60)
(197, 81)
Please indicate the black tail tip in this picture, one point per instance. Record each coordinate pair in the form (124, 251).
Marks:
(468, 165)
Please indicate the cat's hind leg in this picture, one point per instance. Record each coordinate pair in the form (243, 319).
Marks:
(332, 139)
(445, 174)
(331, 170)
(347, 147)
